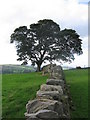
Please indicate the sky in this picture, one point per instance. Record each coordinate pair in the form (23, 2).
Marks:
(67, 13)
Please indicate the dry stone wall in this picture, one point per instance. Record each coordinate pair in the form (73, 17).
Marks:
(52, 100)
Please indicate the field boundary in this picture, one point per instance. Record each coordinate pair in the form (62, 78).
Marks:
(52, 100)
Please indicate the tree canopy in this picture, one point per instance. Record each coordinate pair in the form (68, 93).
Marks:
(45, 41)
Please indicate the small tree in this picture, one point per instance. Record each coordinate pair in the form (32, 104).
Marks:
(45, 41)
(78, 67)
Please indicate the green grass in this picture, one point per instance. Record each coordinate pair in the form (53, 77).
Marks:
(17, 90)
(78, 81)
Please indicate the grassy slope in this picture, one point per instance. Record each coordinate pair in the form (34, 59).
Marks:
(17, 89)
(78, 80)
(7, 69)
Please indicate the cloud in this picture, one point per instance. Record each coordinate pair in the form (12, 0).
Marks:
(67, 13)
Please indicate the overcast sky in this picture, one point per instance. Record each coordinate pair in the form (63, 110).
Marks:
(67, 13)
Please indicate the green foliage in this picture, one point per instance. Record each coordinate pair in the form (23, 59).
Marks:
(17, 90)
(78, 81)
(45, 41)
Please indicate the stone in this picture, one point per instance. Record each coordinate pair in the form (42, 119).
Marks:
(57, 72)
(31, 116)
(40, 104)
(47, 114)
(47, 69)
(64, 98)
(54, 94)
(66, 106)
(53, 99)
(43, 114)
(55, 82)
(46, 87)
(44, 97)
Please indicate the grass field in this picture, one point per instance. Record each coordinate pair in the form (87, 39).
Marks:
(78, 81)
(17, 89)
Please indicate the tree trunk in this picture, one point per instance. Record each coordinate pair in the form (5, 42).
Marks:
(38, 67)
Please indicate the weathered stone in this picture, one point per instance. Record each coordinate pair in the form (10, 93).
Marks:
(43, 114)
(47, 69)
(52, 100)
(65, 102)
(31, 116)
(54, 94)
(47, 114)
(55, 82)
(44, 97)
(57, 72)
(37, 105)
(64, 98)
(45, 87)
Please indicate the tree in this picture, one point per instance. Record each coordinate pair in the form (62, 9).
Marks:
(45, 41)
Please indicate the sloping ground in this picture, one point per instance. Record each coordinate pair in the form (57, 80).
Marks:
(7, 69)
(78, 81)
(17, 89)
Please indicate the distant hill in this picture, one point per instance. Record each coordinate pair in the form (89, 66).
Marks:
(7, 69)
(67, 67)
